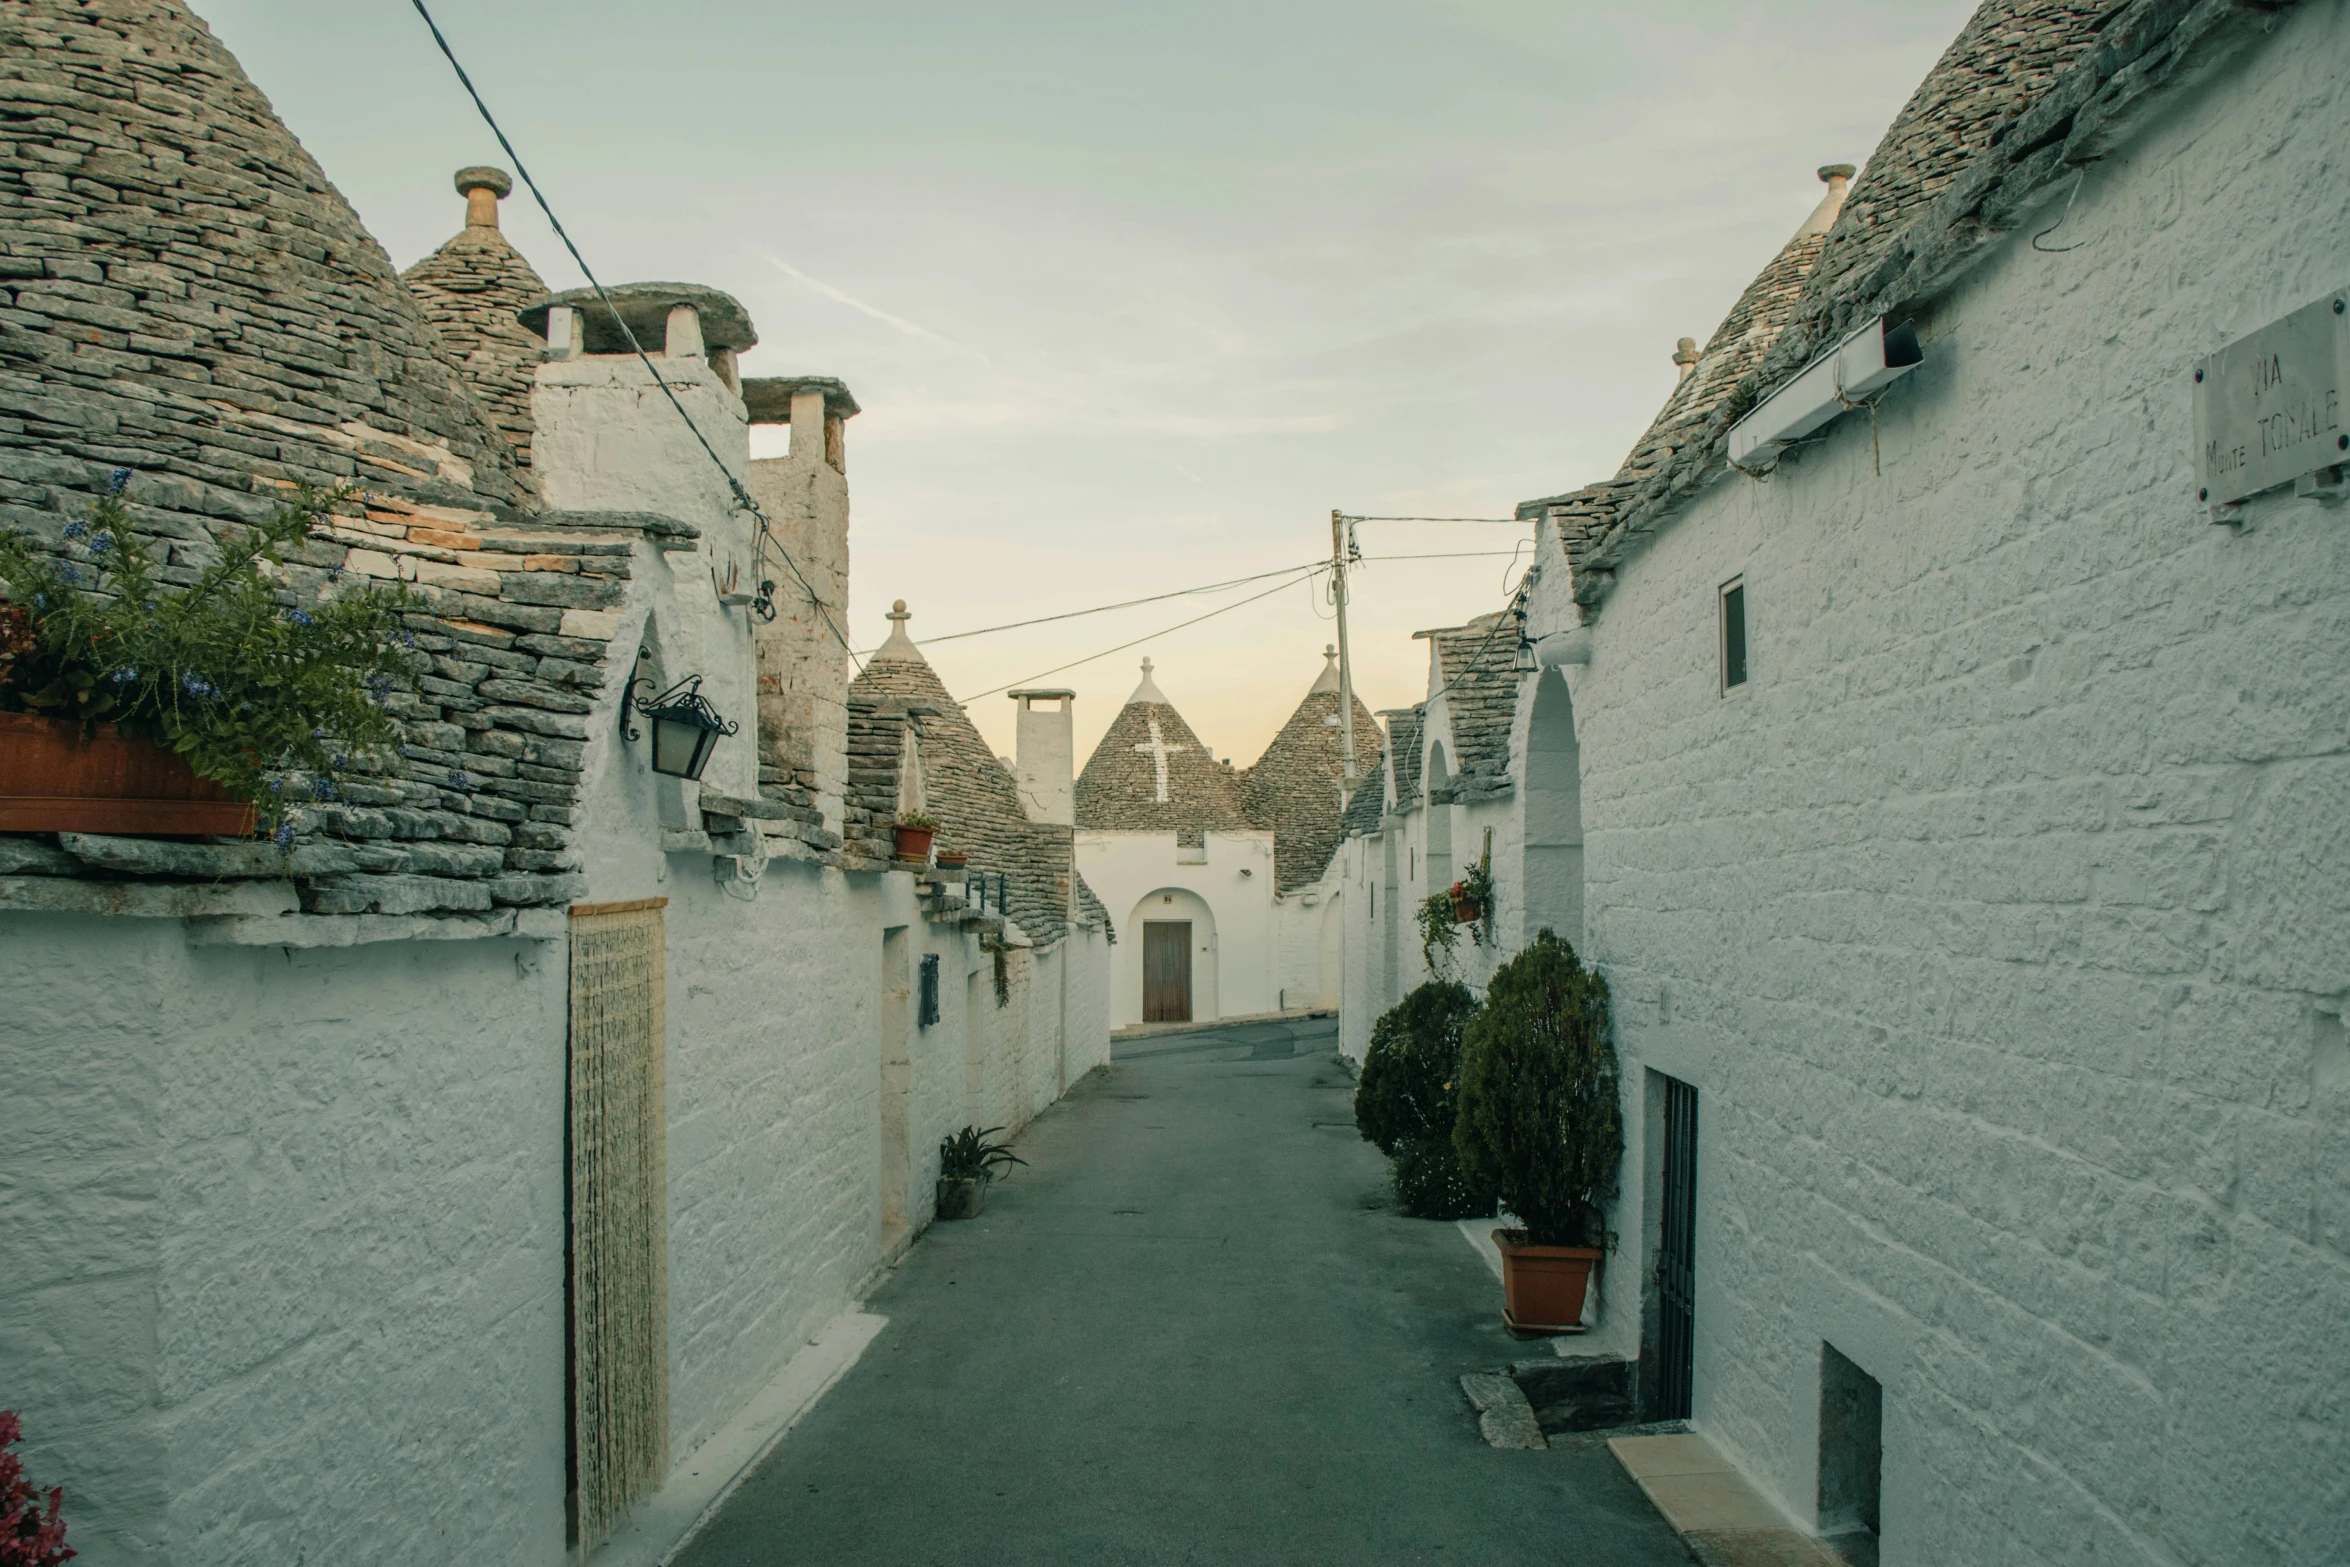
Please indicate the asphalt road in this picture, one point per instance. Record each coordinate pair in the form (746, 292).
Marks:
(1190, 1331)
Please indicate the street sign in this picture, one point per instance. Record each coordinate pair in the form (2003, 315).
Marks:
(2268, 407)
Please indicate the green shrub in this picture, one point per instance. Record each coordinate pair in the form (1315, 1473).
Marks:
(1539, 1120)
(1430, 1184)
(229, 669)
(1406, 1092)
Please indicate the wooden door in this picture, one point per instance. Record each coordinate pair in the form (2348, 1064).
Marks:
(1166, 971)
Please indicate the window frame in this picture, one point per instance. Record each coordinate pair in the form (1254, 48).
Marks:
(1724, 686)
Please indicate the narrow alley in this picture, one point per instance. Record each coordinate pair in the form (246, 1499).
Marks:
(1189, 1331)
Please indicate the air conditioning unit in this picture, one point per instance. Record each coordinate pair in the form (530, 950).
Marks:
(1858, 368)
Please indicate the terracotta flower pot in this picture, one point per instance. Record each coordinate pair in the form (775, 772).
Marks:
(1542, 1286)
(953, 859)
(914, 843)
(961, 1199)
(1464, 910)
(52, 780)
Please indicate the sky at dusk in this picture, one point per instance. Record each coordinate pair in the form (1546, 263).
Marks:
(1133, 296)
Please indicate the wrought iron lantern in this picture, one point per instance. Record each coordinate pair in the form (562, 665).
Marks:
(686, 728)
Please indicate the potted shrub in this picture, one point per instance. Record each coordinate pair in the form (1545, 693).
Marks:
(953, 859)
(967, 1162)
(129, 705)
(914, 831)
(29, 1537)
(1540, 1122)
(1405, 1102)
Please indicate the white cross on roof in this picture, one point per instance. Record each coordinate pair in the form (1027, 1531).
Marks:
(1158, 750)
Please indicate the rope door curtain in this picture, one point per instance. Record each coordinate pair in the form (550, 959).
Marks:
(619, 1212)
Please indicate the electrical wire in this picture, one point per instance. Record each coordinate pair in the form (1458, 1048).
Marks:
(1516, 522)
(742, 496)
(1451, 555)
(1103, 609)
(1304, 576)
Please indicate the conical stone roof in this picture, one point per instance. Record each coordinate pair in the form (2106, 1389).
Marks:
(471, 289)
(1150, 773)
(1296, 787)
(192, 300)
(971, 795)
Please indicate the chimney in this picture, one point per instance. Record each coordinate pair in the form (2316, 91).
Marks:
(483, 188)
(1684, 358)
(1837, 177)
(1048, 756)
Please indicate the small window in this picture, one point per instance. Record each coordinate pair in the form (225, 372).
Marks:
(928, 1018)
(1734, 634)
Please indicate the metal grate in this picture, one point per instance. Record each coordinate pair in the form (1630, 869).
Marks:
(619, 1275)
(1676, 1258)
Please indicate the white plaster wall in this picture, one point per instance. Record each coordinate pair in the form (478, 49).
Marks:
(1239, 977)
(285, 1242)
(2002, 922)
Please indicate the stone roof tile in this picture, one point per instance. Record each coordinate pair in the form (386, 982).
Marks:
(470, 289)
(1294, 788)
(1119, 790)
(970, 794)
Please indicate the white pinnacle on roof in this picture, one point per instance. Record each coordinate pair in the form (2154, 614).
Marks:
(899, 644)
(1328, 679)
(1148, 691)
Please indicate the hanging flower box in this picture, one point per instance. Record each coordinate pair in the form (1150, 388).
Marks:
(53, 780)
(1465, 908)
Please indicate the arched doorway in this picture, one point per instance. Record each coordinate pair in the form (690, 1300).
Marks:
(1553, 875)
(1172, 971)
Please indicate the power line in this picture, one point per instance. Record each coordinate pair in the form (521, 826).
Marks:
(1448, 555)
(1307, 575)
(742, 496)
(1103, 609)
(1516, 522)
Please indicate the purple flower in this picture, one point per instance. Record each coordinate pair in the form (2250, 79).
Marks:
(460, 781)
(324, 788)
(123, 677)
(69, 573)
(74, 530)
(299, 617)
(284, 834)
(196, 685)
(102, 543)
(118, 481)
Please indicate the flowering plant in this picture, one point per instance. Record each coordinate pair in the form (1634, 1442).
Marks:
(227, 670)
(28, 1536)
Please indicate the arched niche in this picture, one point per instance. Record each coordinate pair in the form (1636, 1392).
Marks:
(1436, 779)
(1329, 957)
(1152, 929)
(1553, 789)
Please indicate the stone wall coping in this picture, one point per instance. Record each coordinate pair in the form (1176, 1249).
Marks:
(768, 397)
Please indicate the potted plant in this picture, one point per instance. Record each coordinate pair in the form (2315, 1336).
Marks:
(967, 1162)
(914, 831)
(1472, 897)
(1539, 1121)
(953, 859)
(129, 705)
(1406, 1100)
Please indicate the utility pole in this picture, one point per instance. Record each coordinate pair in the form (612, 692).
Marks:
(1346, 676)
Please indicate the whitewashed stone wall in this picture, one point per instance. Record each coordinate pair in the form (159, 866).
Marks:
(1238, 977)
(311, 1226)
(2004, 922)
